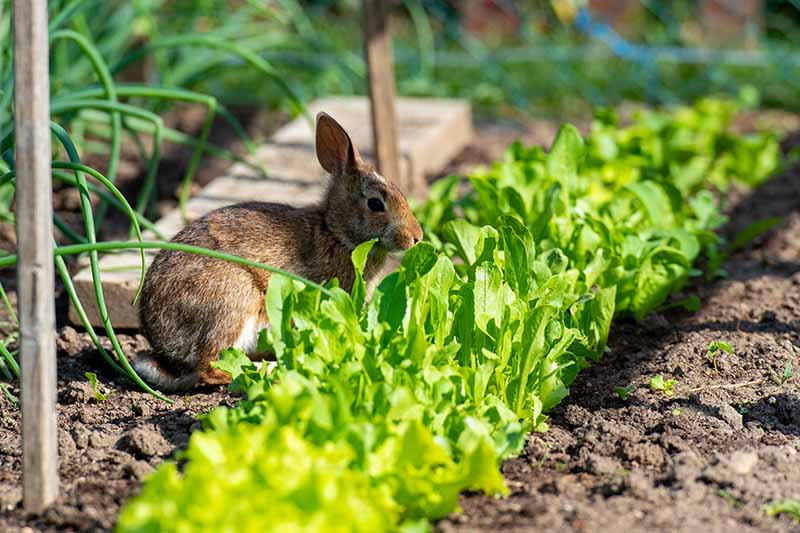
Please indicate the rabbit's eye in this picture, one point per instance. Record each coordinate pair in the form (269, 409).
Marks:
(376, 205)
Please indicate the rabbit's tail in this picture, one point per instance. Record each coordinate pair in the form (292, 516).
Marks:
(156, 375)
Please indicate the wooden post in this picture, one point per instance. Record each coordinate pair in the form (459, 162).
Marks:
(380, 69)
(35, 286)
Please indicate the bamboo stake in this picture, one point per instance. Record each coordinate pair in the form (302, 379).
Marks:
(35, 285)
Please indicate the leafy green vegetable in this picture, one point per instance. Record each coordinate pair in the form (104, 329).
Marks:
(657, 383)
(629, 207)
(7, 394)
(624, 392)
(690, 303)
(380, 413)
(715, 347)
(754, 231)
(790, 507)
(788, 372)
(93, 381)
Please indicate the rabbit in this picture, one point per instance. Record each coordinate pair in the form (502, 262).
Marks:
(192, 306)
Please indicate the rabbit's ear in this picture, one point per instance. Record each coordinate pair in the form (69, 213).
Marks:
(335, 151)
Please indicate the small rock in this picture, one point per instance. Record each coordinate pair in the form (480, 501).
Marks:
(639, 484)
(601, 465)
(742, 462)
(576, 416)
(138, 469)
(137, 409)
(10, 498)
(69, 341)
(86, 416)
(778, 457)
(717, 474)
(655, 323)
(686, 466)
(66, 446)
(76, 392)
(730, 415)
(101, 439)
(675, 442)
(81, 436)
(147, 442)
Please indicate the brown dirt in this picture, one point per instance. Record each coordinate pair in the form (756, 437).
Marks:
(710, 456)
(105, 447)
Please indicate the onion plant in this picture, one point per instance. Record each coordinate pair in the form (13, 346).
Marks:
(93, 111)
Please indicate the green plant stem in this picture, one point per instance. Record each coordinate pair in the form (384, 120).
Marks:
(65, 14)
(104, 76)
(7, 393)
(10, 177)
(86, 210)
(178, 137)
(158, 130)
(66, 279)
(110, 246)
(9, 359)
(203, 41)
(71, 234)
(112, 199)
(4, 369)
(8, 305)
(182, 95)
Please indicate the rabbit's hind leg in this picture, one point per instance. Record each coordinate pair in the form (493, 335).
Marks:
(247, 341)
(239, 329)
(214, 376)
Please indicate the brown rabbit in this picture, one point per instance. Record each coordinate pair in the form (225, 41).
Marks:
(193, 306)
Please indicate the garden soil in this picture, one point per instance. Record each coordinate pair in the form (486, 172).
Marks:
(708, 457)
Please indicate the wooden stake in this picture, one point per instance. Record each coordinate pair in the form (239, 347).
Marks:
(35, 286)
(380, 68)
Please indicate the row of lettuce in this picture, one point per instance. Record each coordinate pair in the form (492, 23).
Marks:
(379, 414)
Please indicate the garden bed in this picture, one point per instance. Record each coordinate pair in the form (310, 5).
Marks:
(709, 457)
(604, 462)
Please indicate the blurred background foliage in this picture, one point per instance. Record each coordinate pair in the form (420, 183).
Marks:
(547, 57)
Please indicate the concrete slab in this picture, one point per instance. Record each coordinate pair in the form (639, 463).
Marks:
(432, 131)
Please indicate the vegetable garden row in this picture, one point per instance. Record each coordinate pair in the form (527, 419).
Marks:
(379, 414)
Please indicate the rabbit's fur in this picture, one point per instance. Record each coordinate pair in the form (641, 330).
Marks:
(193, 306)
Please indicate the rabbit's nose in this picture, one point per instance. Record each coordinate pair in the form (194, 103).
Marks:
(416, 233)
